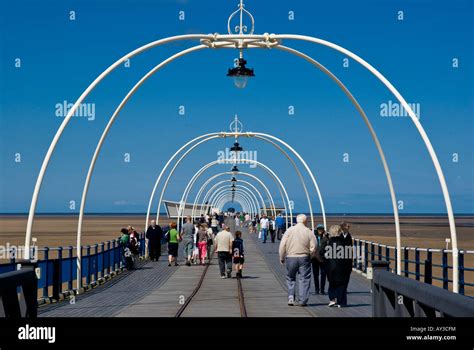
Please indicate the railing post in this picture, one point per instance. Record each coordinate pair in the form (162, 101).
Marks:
(108, 258)
(379, 251)
(366, 255)
(461, 272)
(57, 274)
(88, 255)
(71, 268)
(445, 269)
(46, 274)
(428, 267)
(361, 258)
(95, 263)
(378, 308)
(102, 254)
(372, 251)
(407, 263)
(387, 253)
(417, 264)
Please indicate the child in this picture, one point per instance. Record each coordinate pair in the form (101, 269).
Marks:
(238, 253)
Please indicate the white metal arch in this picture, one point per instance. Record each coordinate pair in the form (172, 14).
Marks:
(231, 161)
(226, 197)
(223, 191)
(198, 196)
(244, 188)
(234, 134)
(248, 41)
(226, 181)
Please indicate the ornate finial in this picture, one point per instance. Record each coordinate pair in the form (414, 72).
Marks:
(241, 28)
(236, 125)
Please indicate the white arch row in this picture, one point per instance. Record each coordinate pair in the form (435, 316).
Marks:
(227, 197)
(198, 196)
(243, 187)
(265, 137)
(346, 91)
(190, 184)
(125, 100)
(201, 189)
(250, 41)
(223, 191)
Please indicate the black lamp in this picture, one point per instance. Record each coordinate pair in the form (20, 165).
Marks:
(236, 147)
(235, 169)
(240, 73)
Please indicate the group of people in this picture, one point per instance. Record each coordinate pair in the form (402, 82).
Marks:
(321, 256)
(325, 255)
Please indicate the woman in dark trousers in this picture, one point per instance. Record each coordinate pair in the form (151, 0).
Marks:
(318, 262)
(336, 271)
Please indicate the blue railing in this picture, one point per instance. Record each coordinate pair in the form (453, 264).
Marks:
(417, 263)
(58, 265)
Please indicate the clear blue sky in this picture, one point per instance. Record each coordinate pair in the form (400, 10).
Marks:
(60, 57)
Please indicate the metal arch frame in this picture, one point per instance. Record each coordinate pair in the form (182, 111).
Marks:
(238, 197)
(250, 204)
(244, 192)
(231, 161)
(226, 197)
(250, 41)
(242, 187)
(198, 196)
(263, 137)
(214, 186)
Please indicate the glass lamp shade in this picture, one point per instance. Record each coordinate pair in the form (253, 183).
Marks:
(240, 82)
(240, 74)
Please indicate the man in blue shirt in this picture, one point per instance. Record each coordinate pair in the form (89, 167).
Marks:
(280, 226)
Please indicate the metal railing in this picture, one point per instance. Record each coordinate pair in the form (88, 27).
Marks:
(427, 263)
(59, 271)
(18, 292)
(400, 296)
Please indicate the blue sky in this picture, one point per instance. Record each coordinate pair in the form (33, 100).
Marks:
(60, 58)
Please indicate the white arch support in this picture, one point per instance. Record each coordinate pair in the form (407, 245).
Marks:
(231, 161)
(198, 196)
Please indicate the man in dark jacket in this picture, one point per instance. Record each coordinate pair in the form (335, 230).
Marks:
(154, 234)
(347, 242)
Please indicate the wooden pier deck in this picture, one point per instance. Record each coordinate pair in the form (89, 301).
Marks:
(157, 290)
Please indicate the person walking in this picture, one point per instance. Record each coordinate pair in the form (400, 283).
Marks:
(154, 235)
(124, 242)
(187, 235)
(264, 226)
(214, 224)
(271, 228)
(223, 249)
(280, 226)
(297, 246)
(202, 238)
(347, 261)
(238, 254)
(318, 262)
(335, 267)
(173, 238)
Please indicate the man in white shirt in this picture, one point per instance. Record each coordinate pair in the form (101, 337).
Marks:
(264, 225)
(297, 247)
(223, 249)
